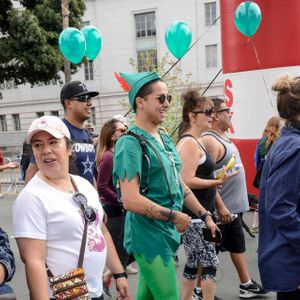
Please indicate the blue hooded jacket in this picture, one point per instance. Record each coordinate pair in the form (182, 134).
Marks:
(279, 214)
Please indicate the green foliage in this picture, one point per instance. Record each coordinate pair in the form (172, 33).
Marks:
(29, 51)
(6, 6)
(176, 83)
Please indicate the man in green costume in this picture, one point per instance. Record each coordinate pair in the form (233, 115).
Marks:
(154, 219)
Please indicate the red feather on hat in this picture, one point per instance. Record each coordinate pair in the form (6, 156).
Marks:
(124, 85)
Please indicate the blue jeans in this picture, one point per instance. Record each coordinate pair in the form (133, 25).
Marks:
(6, 290)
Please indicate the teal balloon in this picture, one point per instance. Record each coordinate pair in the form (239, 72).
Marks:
(178, 38)
(93, 40)
(247, 18)
(72, 44)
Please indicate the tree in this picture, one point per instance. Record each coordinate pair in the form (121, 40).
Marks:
(29, 45)
(176, 83)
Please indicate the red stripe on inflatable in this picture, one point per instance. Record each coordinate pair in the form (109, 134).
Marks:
(277, 40)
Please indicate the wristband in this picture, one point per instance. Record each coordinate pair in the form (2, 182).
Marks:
(205, 215)
(120, 275)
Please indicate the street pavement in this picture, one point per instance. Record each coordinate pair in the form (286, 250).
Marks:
(227, 278)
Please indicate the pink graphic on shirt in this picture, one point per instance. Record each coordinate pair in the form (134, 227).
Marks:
(96, 241)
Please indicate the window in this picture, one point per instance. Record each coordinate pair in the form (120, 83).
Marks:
(84, 23)
(3, 123)
(54, 113)
(40, 114)
(16, 121)
(147, 60)
(210, 13)
(89, 70)
(146, 41)
(211, 56)
(145, 25)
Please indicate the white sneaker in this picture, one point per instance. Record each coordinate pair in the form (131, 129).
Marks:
(131, 270)
(197, 294)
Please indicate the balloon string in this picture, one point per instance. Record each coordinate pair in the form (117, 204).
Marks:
(215, 21)
(261, 70)
(216, 76)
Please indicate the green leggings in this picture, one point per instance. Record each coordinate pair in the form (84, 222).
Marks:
(157, 281)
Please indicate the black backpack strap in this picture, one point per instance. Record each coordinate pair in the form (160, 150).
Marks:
(146, 165)
(145, 162)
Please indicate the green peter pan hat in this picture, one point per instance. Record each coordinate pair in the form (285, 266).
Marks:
(133, 82)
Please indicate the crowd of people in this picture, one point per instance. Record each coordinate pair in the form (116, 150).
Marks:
(93, 204)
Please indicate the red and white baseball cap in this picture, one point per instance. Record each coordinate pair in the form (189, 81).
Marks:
(51, 124)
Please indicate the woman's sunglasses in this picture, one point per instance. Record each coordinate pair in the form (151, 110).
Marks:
(83, 98)
(122, 130)
(207, 112)
(162, 98)
(88, 212)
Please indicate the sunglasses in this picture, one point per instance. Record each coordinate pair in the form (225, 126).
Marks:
(88, 212)
(122, 130)
(207, 112)
(224, 109)
(83, 98)
(162, 98)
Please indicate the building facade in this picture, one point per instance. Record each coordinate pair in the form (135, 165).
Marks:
(131, 29)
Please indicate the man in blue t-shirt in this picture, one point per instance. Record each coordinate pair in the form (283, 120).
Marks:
(77, 103)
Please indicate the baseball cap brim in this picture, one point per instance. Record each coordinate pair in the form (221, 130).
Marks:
(50, 131)
(90, 93)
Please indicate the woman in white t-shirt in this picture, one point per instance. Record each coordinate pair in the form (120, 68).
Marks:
(48, 223)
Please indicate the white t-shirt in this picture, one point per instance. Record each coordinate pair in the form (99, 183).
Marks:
(45, 213)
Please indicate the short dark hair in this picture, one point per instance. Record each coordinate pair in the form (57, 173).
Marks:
(145, 90)
(217, 103)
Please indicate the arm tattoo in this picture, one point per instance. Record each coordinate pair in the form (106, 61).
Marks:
(186, 192)
(149, 212)
(155, 213)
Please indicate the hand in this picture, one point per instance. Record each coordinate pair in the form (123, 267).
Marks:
(12, 165)
(2, 273)
(122, 288)
(226, 176)
(181, 221)
(224, 214)
(210, 224)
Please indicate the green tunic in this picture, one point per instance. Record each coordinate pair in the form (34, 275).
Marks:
(142, 234)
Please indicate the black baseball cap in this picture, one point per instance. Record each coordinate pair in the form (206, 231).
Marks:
(75, 89)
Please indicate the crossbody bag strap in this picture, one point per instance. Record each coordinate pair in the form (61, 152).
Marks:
(81, 253)
(83, 242)
(82, 247)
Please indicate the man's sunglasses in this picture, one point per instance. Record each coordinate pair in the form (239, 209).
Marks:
(207, 112)
(162, 98)
(88, 212)
(83, 98)
(224, 109)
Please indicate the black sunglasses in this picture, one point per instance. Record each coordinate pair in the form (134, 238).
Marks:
(83, 98)
(224, 109)
(207, 112)
(88, 212)
(122, 130)
(162, 98)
